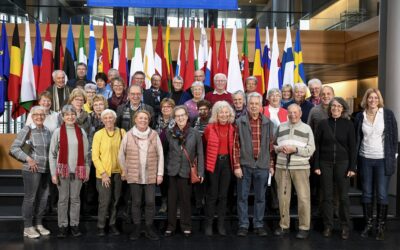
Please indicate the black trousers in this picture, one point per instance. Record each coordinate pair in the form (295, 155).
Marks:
(217, 189)
(179, 189)
(150, 196)
(335, 176)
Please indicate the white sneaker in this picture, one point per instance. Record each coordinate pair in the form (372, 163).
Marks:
(31, 233)
(42, 230)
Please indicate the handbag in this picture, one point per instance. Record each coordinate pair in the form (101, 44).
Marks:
(26, 147)
(194, 176)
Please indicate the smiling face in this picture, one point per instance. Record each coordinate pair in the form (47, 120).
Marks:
(177, 84)
(78, 102)
(326, 96)
(118, 88)
(275, 99)
(238, 101)
(254, 106)
(100, 83)
(315, 90)
(81, 71)
(138, 79)
(373, 101)
(336, 109)
(181, 118)
(286, 93)
(45, 102)
(90, 93)
(199, 76)
(142, 121)
(223, 116)
(197, 92)
(299, 95)
(294, 113)
(156, 81)
(69, 118)
(98, 107)
(166, 109)
(251, 85)
(108, 121)
(38, 117)
(59, 80)
(135, 95)
(220, 84)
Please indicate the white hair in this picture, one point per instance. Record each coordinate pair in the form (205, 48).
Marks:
(254, 94)
(108, 112)
(315, 81)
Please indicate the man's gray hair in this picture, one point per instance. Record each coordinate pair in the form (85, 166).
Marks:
(56, 72)
(220, 75)
(251, 78)
(315, 81)
(254, 94)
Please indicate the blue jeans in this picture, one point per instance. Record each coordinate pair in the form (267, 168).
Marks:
(373, 176)
(260, 178)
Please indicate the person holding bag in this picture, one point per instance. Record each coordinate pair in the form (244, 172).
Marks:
(185, 150)
(32, 148)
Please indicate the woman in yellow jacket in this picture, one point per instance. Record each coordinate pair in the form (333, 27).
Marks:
(105, 148)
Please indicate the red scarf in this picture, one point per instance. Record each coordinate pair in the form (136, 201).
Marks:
(62, 165)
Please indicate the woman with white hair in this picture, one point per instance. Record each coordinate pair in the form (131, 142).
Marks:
(90, 90)
(105, 149)
(273, 110)
(35, 171)
(197, 90)
(218, 137)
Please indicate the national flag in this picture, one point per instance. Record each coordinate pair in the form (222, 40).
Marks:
(168, 57)
(45, 78)
(190, 65)
(203, 50)
(28, 85)
(212, 62)
(14, 83)
(137, 59)
(257, 67)
(92, 63)
(287, 66)
(299, 75)
(222, 57)
(104, 58)
(123, 63)
(181, 59)
(37, 55)
(148, 60)
(82, 58)
(274, 76)
(4, 67)
(234, 76)
(266, 59)
(244, 63)
(159, 61)
(70, 56)
(58, 50)
(115, 59)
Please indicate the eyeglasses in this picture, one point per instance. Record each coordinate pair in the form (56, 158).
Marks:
(40, 115)
(135, 94)
(166, 107)
(180, 116)
(337, 106)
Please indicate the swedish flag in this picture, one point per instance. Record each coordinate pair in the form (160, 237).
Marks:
(299, 75)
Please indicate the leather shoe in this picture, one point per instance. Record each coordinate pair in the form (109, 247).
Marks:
(242, 232)
(281, 231)
(100, 232)
(114, 230)
(327, 232)
(302, 234)
(345, 233)
(260, 231)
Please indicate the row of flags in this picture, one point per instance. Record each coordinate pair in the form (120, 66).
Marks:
(28, 75)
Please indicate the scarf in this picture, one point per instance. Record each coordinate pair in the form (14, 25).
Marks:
(139, 134)
(57, 105)
(180, 134)
(62, 165)
(115, 101)
(176, 96)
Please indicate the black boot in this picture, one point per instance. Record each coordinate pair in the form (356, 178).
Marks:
(381, 221)
(368, 216)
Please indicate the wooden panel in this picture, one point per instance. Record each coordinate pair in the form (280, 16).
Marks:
(363, 48)
(6, 161)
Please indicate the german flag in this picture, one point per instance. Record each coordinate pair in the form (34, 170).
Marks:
(14, 85)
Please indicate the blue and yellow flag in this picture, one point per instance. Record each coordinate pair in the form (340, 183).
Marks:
(299, 75)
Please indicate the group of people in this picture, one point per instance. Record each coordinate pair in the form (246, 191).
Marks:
(126, 141)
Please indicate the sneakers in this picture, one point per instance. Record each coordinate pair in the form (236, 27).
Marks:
(345, 233)
(260, 231)
(101, 232)
(242, 232)
(114, 230)
(302, 234)
(31, 233)
(42, 230)
(281, 231)
(75, 231)
(62, 232)
(327, 233)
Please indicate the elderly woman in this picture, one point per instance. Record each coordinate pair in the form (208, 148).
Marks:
(119, 95)
(106, 144)
(99, 104)
(102, 87)
(287, 94)
(185, 146)
(77, 98)
(163, 123)
(51, 119)
(69, 167)
(197, 90)
(218, 137)
(376, 146)
(178, 94)
(273, 110)
(142, 161)
(335, 162)
(239, 103)
(35, 170)
(90, 90)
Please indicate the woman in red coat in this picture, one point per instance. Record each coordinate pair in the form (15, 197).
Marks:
(218, 137)
(274, 111)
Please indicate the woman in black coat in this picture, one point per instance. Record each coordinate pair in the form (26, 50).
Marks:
(335, 162)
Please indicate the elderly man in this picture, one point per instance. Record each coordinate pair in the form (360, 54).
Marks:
(81, 71)
(111, 74)
(200, 77)
(300, 91)
(219, 94)
(314, 85)
(294, 145)
(252, 162)
(320, 112)
(59, 91)
(125, 112)
(139, 78)
(251, 84)
(154, 95)
(239, 103)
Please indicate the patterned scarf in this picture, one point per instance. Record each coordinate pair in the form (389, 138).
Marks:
(62, 165)
(115, 101)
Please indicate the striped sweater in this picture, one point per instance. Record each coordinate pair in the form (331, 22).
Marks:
(299, 135)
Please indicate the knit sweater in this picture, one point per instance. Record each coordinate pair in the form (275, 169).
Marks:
(317, 114)
(105, 150)
(335, 142)
(299, 135)
(72, 150)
